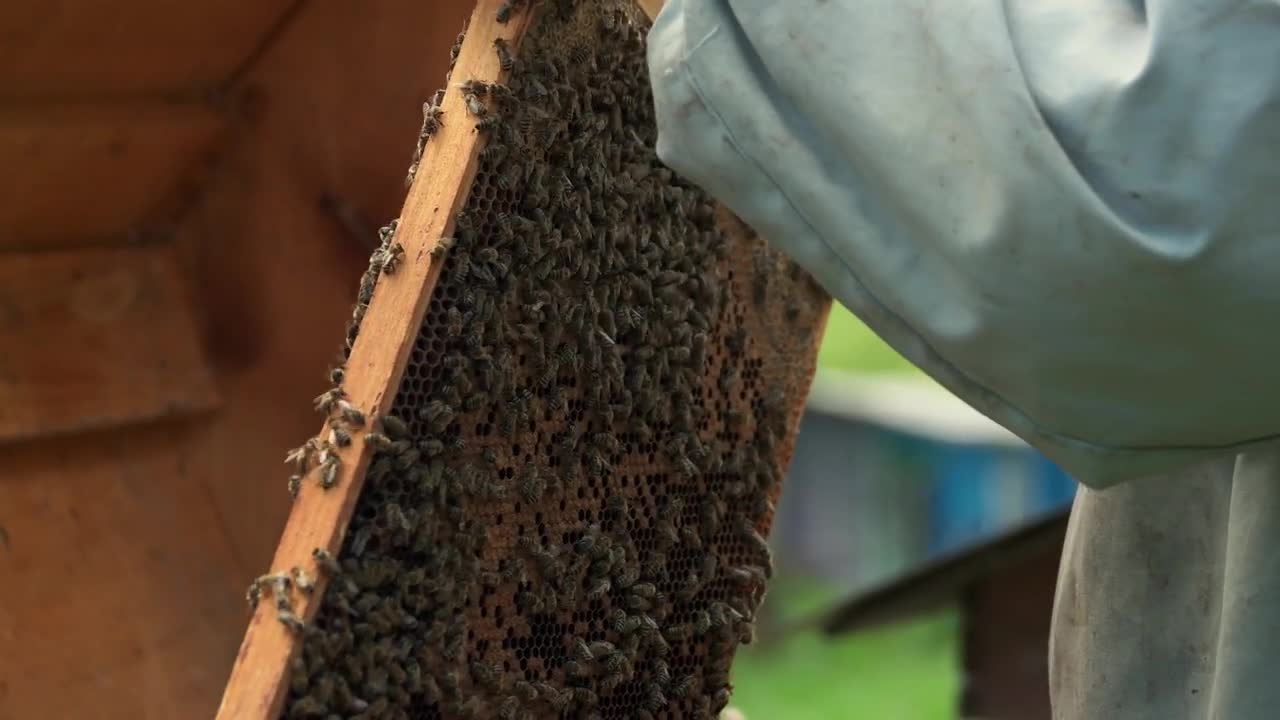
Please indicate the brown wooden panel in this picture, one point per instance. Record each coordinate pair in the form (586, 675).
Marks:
(81, 174)
(96, 338)
(273, 277)
(1006, 639)
(116, 588)
(76, 48)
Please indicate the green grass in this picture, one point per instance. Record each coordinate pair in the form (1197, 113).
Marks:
(903, 672)
(851, 346)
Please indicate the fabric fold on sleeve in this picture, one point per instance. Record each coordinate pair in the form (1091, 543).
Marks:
(1017, 196)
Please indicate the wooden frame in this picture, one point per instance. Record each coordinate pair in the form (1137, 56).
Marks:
(319, 518)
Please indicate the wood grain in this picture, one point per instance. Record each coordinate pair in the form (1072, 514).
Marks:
(651, 7)
(78, 175)
(319, 519)
(114, 577)
(96, 338)
(78, 48)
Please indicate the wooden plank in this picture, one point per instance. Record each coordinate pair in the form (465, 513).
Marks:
(93, 339)
(78, 48)
(84, 173)
(651, 7)
(943, 580)
(117, 592)
(319, 519)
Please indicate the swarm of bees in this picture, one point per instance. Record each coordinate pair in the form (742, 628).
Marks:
(563, 516)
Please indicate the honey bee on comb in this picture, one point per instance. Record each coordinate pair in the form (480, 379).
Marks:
(558, 518)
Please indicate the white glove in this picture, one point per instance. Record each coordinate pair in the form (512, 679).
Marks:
(1065, 211)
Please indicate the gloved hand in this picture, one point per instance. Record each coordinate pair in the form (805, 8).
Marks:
(1062, 210)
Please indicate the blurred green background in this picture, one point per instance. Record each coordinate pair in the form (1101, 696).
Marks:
(904, 672)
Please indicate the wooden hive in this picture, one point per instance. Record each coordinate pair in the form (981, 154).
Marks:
(225, 162)
(173, 289)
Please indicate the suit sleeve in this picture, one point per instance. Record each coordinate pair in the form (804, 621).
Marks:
(1060, 209)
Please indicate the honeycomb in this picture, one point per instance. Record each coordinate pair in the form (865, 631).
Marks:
(566, 517)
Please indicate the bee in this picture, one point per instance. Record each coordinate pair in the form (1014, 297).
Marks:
(612, 680)
(701, 623)
(654, 699)
(599, 588)
(494, 153)
(291, 621)
(302, 580)
(557, 699)
(438, 414)
(720, 699)
(662, 673)
(601, 649)
(580, 54)
(491, 122)
(682, 686)
(585, 697)
(339, 437)
(442, 246)
(295, 485)
(475, 105)
(324, 560)
(396, 517)
(328, 400)
(360, 540)
(378, 441)
(531, 486)
(748, 575)
(253, 595)
(624, 624)
(350, 414)
(392, 257)
(505, 60)
(470, 709)
(503, 94)
(645, 590)
(506, 10)
(479, 88)
(432, 112)
(485, 674)
(329, 472)
(307, 706)
(511, 569)
(336, 375)
(526, 690)
(582, 651)
(454, 50)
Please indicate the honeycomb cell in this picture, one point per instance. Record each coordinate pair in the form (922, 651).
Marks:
(592, 452)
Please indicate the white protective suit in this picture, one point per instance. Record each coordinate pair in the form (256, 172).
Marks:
(1068, 213)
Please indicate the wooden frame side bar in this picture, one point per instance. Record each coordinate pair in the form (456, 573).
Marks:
(256, 688)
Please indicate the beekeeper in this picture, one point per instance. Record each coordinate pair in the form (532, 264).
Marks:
(1068, 213)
